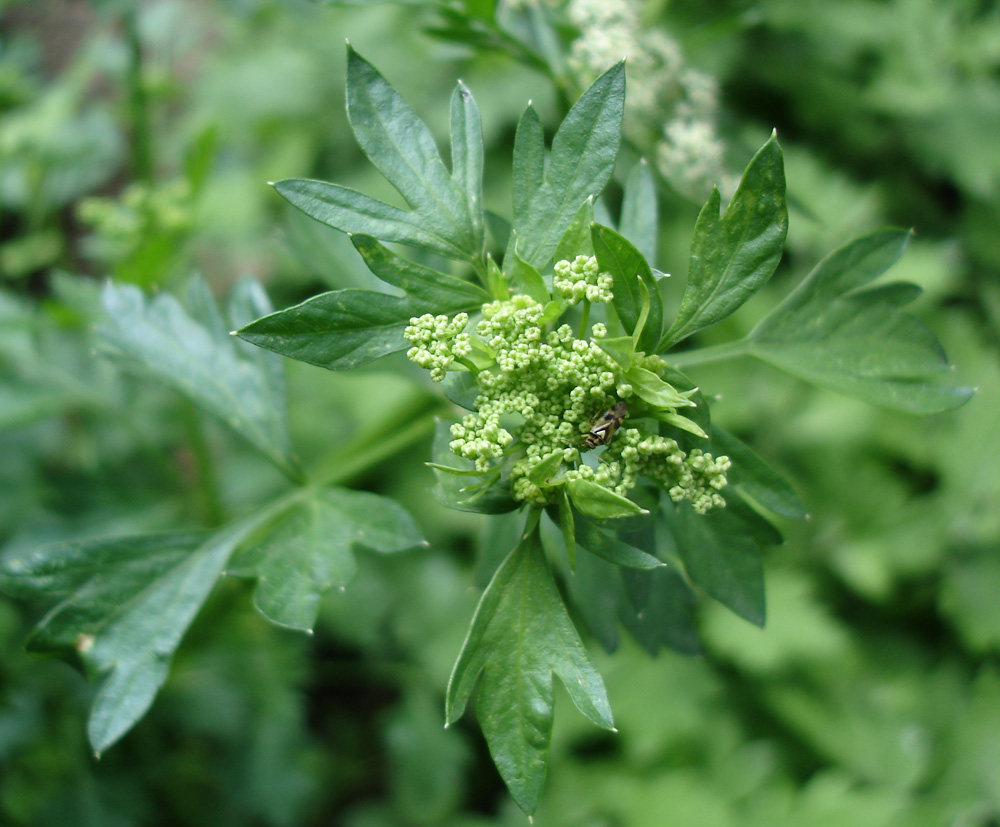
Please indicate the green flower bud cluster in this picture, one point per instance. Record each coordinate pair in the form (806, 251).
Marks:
(695, 477)
(540, 392)
(582, 279)
(437, 342)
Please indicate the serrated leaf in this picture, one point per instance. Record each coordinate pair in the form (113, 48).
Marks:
(597, 501)
(344, 329)
(831, 332)
(733, 255)
(520, 636)
(580, 163)
(616, 255)
(310, 550)
(445, 216)
(753, 476)
(721, 553)
(121, 606)
(640, 211)
(204, 364)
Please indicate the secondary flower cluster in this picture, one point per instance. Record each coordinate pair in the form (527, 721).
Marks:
(540, 391)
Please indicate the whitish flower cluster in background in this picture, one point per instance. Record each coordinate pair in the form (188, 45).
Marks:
(539, 391)
(671, 109)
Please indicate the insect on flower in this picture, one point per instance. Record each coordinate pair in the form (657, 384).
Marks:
(604, 426)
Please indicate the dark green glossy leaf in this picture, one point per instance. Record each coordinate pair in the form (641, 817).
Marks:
(339, 330)
(833, 333)
(204, 363)
(607, 545)
(721, 553)
(733, 255)
(666, 616)
(344, 329)
(582, 159)
(617, 256)
(310, 550)
(520, 636)
(754, 477)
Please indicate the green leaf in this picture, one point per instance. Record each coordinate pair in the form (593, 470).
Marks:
(617, 256)
(640, 212)
(445, 215)
(753, 476)
(526, 279)
(609, 547)
(529, 160)
(721, 553)
(652, 389)
(339, 330)
(666, 616)
(520, 636)
(732, 256)
(597, 501)
(568, 528)
(467, 154)
(831, 332)
(420, 283)
(487, 493)
(121, 606)
(344, 329)
(310, 550)
(576, 240)
(205, 364)
(621, 349)
(582, 159)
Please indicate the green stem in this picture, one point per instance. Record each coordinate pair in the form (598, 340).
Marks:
(705, 355)
(207, 482)
(142, 143)
(345, 465)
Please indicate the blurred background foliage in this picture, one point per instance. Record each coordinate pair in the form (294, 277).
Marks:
(136, 140)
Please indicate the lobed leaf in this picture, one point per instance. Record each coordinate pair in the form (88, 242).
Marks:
(520, 636)
(202, 361)
(446, 215)
(833, 333)
(580, 163)
(122, 606)
(310, 550)
(733, 255)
